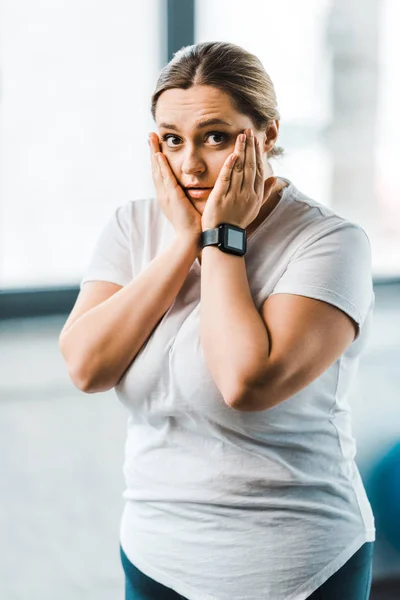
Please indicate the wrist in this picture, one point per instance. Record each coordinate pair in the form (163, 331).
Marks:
(229, 238)
(189, 237)
(205, 226)
(189, 240)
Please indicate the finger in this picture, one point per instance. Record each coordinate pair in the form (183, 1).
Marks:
(164, 175)
(154, 143)
(224, 181)
(155, 167)
(237, 172)
(168, 178)
(259, 180)
(162, 167)
(250, 165)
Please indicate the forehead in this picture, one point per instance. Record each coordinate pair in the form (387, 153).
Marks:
(188, 108)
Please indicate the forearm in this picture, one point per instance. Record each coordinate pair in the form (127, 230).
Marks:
(234, 338)
(102, 343)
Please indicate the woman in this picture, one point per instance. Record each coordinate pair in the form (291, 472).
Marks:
(234, 363)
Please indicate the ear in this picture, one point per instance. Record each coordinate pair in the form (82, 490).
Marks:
(271, 135)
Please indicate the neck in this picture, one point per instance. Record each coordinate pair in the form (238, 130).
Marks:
(268, 206)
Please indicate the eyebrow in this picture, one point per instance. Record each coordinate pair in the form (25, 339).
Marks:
(199, 124)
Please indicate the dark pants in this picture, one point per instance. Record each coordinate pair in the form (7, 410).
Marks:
(351, 582)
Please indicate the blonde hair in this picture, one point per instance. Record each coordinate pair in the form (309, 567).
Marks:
(230, 68)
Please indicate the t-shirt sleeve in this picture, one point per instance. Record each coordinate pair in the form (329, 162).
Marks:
(111, 258)
(334, 267)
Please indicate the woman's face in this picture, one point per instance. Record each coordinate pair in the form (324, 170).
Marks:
(195, 147)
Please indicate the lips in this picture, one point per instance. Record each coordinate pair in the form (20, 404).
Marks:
(198, 192)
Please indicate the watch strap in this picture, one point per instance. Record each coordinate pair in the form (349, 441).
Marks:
(210, 237)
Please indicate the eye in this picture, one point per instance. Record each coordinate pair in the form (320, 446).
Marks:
(165, 138)
(219, 134)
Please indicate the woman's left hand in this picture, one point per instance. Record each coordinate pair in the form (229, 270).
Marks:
(240, 190)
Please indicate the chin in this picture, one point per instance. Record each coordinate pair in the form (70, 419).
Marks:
(199, 206)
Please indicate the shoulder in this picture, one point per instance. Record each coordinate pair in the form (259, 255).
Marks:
(139, 213)
(138, 206)
(147, 229)
(315, 223)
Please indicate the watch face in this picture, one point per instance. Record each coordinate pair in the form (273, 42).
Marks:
(234, 239)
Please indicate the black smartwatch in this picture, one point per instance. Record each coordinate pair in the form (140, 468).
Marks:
(228, 238)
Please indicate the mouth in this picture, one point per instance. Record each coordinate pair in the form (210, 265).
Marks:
(198, 192)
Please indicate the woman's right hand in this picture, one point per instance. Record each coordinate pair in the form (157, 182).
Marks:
(178, 209)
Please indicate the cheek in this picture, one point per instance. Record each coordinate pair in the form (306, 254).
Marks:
(174, 163)
(216, 163)
(222, 158)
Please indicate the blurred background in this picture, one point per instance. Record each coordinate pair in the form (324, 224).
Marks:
(75, 85)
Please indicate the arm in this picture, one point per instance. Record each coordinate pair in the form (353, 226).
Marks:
(258, 361)
(100, 344)
(234, 339)
(307, 337)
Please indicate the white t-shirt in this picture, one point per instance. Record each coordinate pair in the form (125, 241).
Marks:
(230, 505)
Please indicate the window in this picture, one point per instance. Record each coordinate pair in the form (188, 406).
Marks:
(77, 79)
(335, 71)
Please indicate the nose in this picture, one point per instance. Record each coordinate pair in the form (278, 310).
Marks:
(192, 162)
